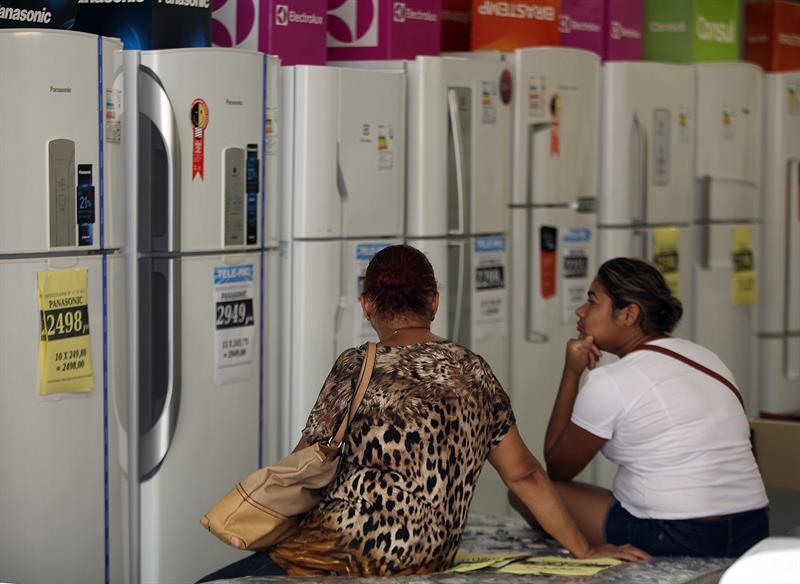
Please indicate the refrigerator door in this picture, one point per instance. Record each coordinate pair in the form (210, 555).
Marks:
(647, 145)
(460, 146)
(272, 448)
(556, 138)
(199, 138)
(199, 371)
(437, 252)
(273, 135)
(61, 455)
(728, 106)
(371, 150)
(314, 201)
(553, 263)
(50, 159)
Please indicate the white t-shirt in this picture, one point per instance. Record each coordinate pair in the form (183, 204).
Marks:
(680, 437)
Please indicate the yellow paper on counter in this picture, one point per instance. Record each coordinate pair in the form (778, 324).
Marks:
(559, 566)
(744, 283)
(667, 257)
(65, 356)
(467, 561)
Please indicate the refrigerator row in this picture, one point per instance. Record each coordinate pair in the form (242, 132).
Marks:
(184, 235)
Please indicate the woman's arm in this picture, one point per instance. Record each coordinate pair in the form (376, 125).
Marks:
(569, 448)
(525, 477)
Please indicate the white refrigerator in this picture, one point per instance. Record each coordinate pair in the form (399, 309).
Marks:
(553, 221)
(195, 145)
(779, 319)
(63, 349)
(647, 157)
(727, 215)
(342, 187)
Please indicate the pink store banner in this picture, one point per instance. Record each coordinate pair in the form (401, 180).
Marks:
(383, 29)
(294, 30)
(610, 28)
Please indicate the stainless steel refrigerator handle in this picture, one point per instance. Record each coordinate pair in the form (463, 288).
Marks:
(154, 104)
(534, 306)
(156, 442)
(341, 184)
(458, 152)
(704, 229)
(641, 202)
(458, 308)
(792, 341)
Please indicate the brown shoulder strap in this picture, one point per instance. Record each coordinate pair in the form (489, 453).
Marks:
(363, 381)
(695, 364)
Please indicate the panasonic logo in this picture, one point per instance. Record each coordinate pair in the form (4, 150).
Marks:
(790, 40)
(187, 3)
(60, 89)
(619, 32)
(679, 26)
(718, 32)
(513, 10)
(110, 1)
(402, 13)
(42, 16)
(567, 25)
(233, 101)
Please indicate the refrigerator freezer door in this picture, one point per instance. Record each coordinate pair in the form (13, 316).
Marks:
(210, 113)
(53, 72)
(558, 104)
(217, 390)
(371, 120)
(52, 451)
(647, 152)
(312, 94)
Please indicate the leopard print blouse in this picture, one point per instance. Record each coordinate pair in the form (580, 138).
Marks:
(414, 452)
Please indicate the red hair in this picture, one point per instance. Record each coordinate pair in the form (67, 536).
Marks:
(400, 281)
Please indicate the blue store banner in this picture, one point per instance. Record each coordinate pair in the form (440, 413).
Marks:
(37, 13)
(148, 24)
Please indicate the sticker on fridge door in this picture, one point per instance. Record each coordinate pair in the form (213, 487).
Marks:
(684, 125)
(385, 147)
(793, 97)
(271, 131)
(744, 283)
(113, 127)
(536, 96)
(576, 243)
(666, 256)
(489, 102)
(65, 355)
(198, 114)
(234, 323)
(548, 237)
(489, 306)
(728, 116)
(362, 329)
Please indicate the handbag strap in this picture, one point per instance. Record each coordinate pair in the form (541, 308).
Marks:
(695, 364)
(363, 381)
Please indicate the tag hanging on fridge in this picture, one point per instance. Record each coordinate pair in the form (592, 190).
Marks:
(234, 323)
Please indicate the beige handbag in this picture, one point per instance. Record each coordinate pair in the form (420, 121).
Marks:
(266, 506)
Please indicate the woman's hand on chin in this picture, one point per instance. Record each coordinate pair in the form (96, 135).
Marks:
(582, 353)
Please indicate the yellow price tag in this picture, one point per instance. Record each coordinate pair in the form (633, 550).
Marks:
(559, 566)
(744, 282)
(467, 561)
(65, 357)
(667, 257)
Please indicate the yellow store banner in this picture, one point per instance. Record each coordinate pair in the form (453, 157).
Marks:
(744, 283)
(667, 257)
(65, 356)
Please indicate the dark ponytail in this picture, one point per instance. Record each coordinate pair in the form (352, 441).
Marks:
(400, 282)
(634, 281)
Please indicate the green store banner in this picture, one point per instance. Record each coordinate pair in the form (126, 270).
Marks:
(691, 31)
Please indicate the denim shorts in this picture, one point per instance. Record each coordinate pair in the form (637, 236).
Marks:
(726, 536)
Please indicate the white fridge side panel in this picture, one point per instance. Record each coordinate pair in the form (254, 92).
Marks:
(316, 201)
(436, 251)
(173, 546)
(316, 301)
(274, 134)
(272, 345)
(216, 115)
(42, 439)
(371, 115)
(113, 152)
(53, 106)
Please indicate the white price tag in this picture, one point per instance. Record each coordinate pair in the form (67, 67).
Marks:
(234, 323)
(575, 277)
(489, 305)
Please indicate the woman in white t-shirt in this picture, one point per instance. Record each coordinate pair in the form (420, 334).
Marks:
(667, 412)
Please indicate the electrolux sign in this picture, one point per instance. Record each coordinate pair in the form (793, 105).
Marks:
(37, 14)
